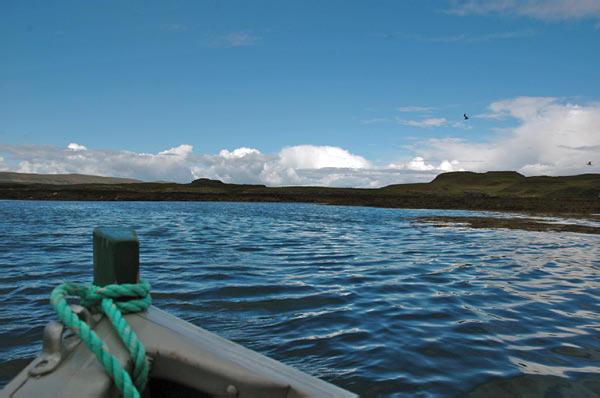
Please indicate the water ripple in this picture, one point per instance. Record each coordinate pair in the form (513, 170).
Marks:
(361, 297)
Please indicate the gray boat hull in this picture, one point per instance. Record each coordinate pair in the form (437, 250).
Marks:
(181, 353)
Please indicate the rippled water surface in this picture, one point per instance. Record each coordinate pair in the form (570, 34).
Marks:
(364, 298)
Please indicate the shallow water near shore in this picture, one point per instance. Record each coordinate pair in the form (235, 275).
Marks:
(364, 298)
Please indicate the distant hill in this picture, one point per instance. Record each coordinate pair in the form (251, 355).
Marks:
(472, 178)
(208, 183)
(494, 190)
(61, 179)
(504, 184)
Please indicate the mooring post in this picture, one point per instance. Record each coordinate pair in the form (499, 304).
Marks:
(116, 256)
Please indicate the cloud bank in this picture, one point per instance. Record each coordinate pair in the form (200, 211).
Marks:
(170, 165)
(549, 10)
(305, 165)
(550, 137)
(295, 165)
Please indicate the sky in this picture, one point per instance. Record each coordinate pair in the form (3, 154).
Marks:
(329, 93)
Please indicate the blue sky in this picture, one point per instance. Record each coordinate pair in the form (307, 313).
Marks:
(337, 93)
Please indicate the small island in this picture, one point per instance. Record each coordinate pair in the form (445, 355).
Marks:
(497, 191)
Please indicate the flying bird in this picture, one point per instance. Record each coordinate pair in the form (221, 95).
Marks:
(589, 163)
(465, 116)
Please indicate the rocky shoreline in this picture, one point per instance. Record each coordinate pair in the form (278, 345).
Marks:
(526, 224)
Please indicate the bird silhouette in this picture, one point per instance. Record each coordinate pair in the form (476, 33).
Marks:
(465, 116)
(589, 163)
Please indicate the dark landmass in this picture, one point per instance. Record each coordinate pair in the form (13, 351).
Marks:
(60, 179)
(505, 191)
(527, 224)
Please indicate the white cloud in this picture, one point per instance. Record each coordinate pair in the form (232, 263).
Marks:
(243, 165)
(318, 157)
(412, 108)
(549, 10)
(551, 137)
(295, 165)
(447, 166)
(314, 166)
(375, 120)
(462, 125)
(419, 164)
(76, 147)
(181, 151)
(425, 123)
(362, 178)
(238, 153)
(497, 116)
(173, 164)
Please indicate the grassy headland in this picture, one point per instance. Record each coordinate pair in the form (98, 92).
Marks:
(577, 196)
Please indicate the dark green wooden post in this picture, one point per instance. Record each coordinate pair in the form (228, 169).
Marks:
(116, 256)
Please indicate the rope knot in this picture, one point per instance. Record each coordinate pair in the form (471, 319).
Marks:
(109, 300)
(138, 296)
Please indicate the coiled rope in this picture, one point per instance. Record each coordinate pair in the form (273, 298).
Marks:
(102, 299)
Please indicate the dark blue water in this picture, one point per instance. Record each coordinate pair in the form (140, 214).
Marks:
(364, 298)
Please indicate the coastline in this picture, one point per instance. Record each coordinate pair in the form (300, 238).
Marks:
(520, 223)
(530, 207)
(151, 192)
(569, 197)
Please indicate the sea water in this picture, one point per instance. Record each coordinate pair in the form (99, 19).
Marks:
(368, 299)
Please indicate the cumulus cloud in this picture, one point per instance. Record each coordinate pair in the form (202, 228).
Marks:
(318, 157)
(243, 165)
(272, 170)
(551, 137)
(238, 153)
(310, 165)
(362, 178)
(76, 147)
(549, 10)
(181, 151)
(419, 164)
(294, 165)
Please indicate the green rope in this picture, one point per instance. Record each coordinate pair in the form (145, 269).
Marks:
(101, 298)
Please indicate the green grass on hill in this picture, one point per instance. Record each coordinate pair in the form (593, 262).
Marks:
(504, 184)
